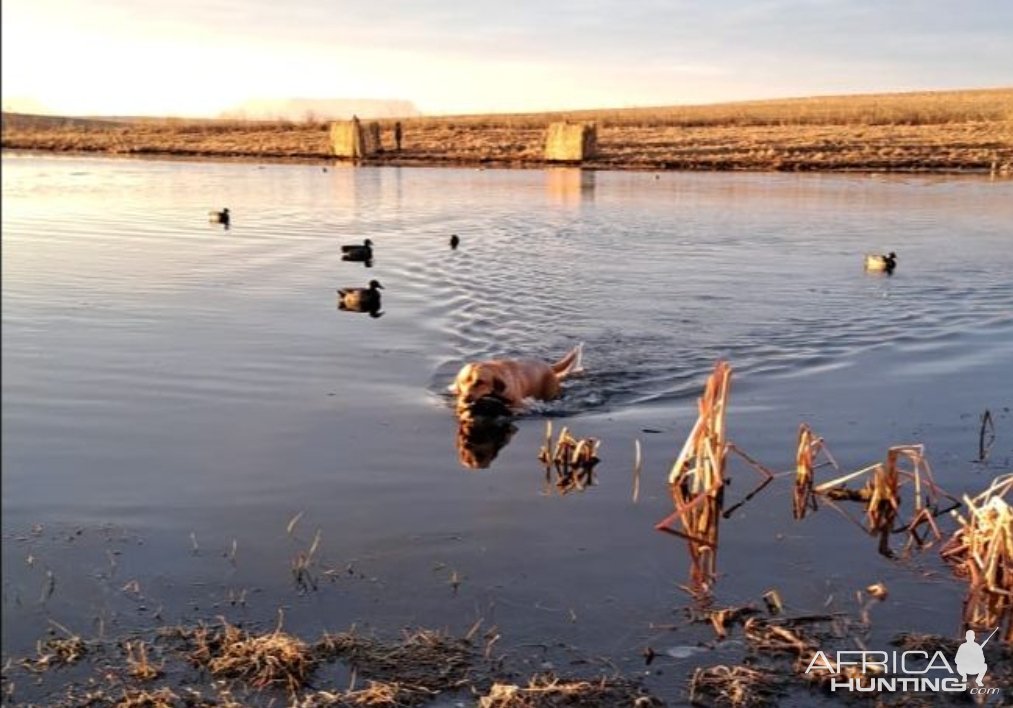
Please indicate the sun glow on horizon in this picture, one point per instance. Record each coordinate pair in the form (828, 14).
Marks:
(200, 60)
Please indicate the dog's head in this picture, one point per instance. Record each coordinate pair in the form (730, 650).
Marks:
(475, 381)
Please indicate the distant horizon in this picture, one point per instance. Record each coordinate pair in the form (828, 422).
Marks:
(225, 115)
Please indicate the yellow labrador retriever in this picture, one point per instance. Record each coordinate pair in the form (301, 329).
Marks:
(513, 380)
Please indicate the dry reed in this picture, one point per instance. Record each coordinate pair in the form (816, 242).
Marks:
(422, 658)
(548, 691)
(272, 660)
(697, 482)
(736, 686)
(939, 131)
(573, 460)
(981, 551)
(882, 496)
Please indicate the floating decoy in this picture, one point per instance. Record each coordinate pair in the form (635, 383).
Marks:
(879, 262)
(455, 242)
(358, 252)
(219, 217)
(361, 299)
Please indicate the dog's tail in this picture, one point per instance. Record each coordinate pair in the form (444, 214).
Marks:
(570, 364)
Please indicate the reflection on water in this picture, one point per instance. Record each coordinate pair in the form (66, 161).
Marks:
(479, 440)
(353, 258)
(372, 308)
(575, 479)
(569, 186)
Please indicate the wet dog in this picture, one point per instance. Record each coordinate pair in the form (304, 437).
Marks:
(511, 381)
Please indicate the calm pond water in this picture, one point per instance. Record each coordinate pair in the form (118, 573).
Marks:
(175, 393)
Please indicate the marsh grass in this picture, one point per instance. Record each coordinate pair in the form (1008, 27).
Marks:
(981, 552)
(737, 686)
(272, 660)
(929, 131)
(549, 691)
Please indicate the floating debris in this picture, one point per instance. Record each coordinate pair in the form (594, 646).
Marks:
(56, 652)
(721, 619)
(159, 698)
(737, 686)
(378, 694)
(772, 599)
(273, 660)
(140, 667)
(877, 591)
(422, 658)
(548, 691)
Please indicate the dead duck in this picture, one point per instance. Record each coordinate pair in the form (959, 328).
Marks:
(361, 299)
(358, 252)
(879, 262)
(455, 241)
(219, 217)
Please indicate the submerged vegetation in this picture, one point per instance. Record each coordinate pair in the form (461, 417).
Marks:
(947, 131)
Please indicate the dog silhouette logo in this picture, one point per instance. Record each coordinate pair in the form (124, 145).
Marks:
(970, 657)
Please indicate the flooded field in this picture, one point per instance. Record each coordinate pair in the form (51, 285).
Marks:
(187, 412)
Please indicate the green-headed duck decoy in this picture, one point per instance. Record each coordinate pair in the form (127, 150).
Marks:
(361, 299)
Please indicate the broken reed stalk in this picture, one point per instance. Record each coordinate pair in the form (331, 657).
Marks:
(987, 427)
(573, 460)
(882, 498)
(810, 446)
(637, 467)
(981, 551)
(697, 481)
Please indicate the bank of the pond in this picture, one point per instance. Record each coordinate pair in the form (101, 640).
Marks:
(944, 132)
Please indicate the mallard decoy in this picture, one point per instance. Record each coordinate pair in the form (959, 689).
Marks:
(357, 252)
(361, 299)
(219, 217)
(878, 262)
(455, 242)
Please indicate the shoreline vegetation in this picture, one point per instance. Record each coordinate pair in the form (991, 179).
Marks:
(928, 132)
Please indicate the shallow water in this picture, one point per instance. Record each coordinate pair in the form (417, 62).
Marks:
(175, 393)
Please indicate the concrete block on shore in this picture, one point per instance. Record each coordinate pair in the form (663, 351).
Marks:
(571, 142)
(355, 139)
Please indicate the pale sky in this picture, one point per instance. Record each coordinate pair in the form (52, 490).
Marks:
(201, 57)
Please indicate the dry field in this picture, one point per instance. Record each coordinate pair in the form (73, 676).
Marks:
(949, 131)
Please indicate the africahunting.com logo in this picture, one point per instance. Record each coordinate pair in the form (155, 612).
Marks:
(913, 670)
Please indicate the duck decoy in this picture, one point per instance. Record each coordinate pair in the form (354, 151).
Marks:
(879, 262)
(455, 242)
(361, 299)
(220, 217)
(358, 252)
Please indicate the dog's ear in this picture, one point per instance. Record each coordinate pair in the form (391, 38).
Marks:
(498, 385)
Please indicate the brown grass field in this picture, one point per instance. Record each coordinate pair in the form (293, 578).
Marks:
(946, 131)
